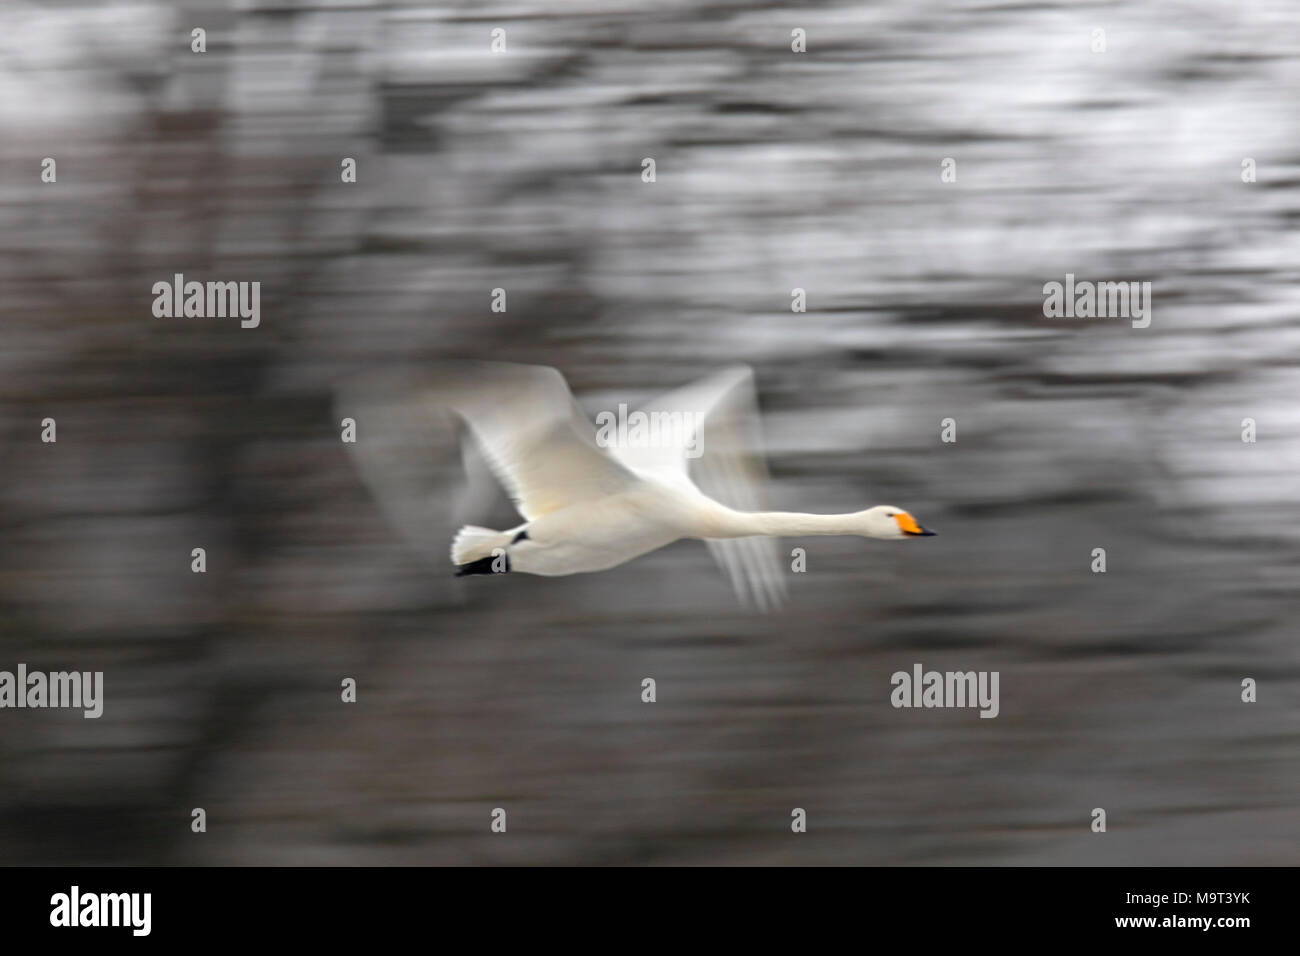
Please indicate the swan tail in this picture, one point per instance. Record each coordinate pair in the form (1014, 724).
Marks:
(473, 543)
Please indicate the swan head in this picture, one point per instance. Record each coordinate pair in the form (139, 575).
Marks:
(886, 521)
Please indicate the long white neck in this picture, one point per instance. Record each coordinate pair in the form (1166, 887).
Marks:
(792, 524)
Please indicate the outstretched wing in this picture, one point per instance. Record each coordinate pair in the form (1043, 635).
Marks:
(405, 452)
(527, 432)
(718, 450)
(534, 436)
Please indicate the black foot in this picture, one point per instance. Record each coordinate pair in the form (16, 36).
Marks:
(483, 566)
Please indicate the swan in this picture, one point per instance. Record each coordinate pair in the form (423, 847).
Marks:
(589, 504)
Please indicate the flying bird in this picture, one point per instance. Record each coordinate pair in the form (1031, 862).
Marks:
(592, 501)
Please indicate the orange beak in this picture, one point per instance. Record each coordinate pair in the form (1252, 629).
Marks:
(907, 524)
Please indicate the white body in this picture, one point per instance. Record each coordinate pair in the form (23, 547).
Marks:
(588, 508)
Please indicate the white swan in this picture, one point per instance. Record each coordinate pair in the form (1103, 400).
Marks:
(588, 506)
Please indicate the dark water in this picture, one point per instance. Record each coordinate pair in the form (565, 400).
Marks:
(774, 171)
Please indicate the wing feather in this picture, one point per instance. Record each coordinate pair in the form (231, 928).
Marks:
(719, 451)
(535, 438)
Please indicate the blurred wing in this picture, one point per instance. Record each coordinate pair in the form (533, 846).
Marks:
(481, 492)
(534, 436)
(527, 432)
(405, 453)
(720, 452)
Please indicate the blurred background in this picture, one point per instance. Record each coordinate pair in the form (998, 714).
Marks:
(774, 171)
